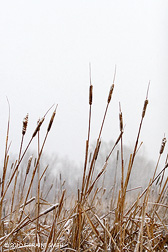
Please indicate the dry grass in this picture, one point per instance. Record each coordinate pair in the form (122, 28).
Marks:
(87, 221)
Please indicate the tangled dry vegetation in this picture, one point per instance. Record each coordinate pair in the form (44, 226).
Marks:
(87, 221)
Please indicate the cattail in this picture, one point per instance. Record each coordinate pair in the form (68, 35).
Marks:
(38, 126)
(163, 145)
(112, 87)
(120, 118)
(90, 88)
(97, 150)
(110, 93)
(90, 94)
(25, 122)
(145, 103)
(51, 120)
(144, 108)
(29, 164)
(121, 121)
(12, 166)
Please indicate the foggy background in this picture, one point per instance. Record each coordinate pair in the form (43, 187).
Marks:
(45, 50)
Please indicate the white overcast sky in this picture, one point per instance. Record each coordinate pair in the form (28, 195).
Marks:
(45, 50)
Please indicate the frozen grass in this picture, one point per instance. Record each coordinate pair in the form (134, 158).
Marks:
(86, 221)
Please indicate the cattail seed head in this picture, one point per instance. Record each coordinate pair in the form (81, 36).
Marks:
(25, 122)
(121, 121)
(144, 108)
(163, 145)
(90, 94)
(97, 150)
(29, 164)
(110, 93)
(51, 120)
(38, 126)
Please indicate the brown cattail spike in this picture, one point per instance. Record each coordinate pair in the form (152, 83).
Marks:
(91, 87)
(146, 102)
(29, 164)
(163, 145)
(144, 108)
(51, 120)
(112, 87)
(25, 122)
(110, 93)
(121, 121)
(120, 118)
(97, 150)
(90, 94)
(38, 126)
